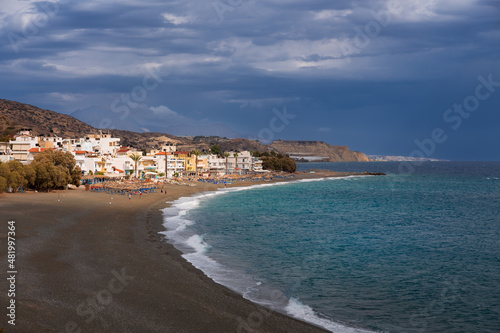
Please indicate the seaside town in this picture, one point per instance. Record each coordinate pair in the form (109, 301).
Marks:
(102, 155)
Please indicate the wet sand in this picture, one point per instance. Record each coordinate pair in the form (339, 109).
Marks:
(95, 262)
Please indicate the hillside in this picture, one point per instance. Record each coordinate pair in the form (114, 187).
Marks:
(318, 150)
(15, 115)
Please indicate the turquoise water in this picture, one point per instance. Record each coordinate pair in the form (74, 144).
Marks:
(415, 252)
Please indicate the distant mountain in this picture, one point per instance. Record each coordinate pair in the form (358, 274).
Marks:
(15, 115)
(385, 158)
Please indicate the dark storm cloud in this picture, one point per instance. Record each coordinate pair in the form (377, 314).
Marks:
(375, 90)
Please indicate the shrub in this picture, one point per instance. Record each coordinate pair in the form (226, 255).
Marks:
(276, 163)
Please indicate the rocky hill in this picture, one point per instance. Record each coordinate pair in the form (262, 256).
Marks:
(318, 151)
(15, 115)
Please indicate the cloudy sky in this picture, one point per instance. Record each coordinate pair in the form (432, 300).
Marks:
(395, 77)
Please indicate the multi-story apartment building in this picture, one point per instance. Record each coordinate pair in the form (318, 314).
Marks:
(22, 143)
(216, 164)
(174, 165)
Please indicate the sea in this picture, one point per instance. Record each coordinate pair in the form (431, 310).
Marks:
(417, 250)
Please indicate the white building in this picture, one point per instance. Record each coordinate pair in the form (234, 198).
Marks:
(216, 164)
(5, 154)
(51, 142)
(21, 145)
(257, 164)
(174, 165)
(104, 143)
(169, 148)
(86, 161)
(101, 143)
(243, 162)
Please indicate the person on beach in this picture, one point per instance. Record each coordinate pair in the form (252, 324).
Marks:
(141, 194)
(129, 196)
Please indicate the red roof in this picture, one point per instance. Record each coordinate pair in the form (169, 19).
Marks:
(163, 153)
(119, 170)
(80, 151)
(123, 150)
(38, 150)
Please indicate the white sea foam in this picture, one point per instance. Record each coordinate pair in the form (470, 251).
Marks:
(194, 246)
(195, 251)
(250, 187)
(198, 244)
(300, 311)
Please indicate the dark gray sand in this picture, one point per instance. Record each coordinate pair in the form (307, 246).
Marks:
(94, 262)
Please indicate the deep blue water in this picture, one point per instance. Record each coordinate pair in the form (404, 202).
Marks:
(407, 252)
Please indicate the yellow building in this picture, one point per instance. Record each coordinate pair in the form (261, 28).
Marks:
(190, 164)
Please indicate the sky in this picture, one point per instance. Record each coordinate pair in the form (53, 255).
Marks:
(392, 77)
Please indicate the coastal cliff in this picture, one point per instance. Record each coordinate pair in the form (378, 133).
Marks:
(318, 151)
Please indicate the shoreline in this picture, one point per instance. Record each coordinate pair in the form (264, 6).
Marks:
(180, 234)
(94, 262)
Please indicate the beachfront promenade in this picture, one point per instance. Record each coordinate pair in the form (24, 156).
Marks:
(134, 187)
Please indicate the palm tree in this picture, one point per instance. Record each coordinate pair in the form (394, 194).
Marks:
(236, 162)
(136, 158)
(196, 153)
(226, 155)
(251, 160)
(103, 164)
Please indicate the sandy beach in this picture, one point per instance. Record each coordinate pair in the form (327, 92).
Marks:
(95, 262)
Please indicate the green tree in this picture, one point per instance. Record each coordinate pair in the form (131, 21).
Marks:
(4, 176)
(45, 175)
(54, 170)
(3, 184)
(15, 180)
(285, 163)
(215, 149)
(20, 175)
(16, 175)
(288, 164)
(4, 170)
(30, 175)
(76, 175)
